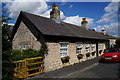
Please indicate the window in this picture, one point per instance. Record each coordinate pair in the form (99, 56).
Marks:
(24, 46)
(111, 50)
(63, 50)
(99, 46)
(78, 48)
(92, 47)
(87, 47)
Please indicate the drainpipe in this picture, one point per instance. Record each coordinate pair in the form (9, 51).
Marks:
(97, 49)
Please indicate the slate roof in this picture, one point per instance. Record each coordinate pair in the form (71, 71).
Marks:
(47, 26)
(108, 36)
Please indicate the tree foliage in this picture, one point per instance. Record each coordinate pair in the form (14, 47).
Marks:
(15, 55)
(107, 45)
(117, 43)
(6, 31)
(6, 47)
(9, 55)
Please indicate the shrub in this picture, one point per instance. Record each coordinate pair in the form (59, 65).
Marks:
(65, 59)
(107, 45)
(80, 56)
(117, 43)
(88, 54)
(15, 55)
(93, 53)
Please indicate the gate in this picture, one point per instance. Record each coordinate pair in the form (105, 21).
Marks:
(28, 67)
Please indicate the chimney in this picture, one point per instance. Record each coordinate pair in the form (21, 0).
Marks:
(84, 23)
(103, 31)
(55, 13)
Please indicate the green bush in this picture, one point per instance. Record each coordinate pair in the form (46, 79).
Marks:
(107, 45)
(87, 54)
(117, 43)
(80, 56)
(65, 59)
(15, 55)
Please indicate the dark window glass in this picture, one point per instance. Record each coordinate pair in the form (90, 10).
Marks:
(111, 50)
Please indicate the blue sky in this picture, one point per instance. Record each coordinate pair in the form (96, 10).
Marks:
(101, 15)
(92, 10)
(88, 9)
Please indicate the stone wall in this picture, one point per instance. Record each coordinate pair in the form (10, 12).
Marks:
(72, 53)
(24, 36)
(53, 58)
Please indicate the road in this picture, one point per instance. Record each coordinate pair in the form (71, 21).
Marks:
(97, 70)
(87, 69)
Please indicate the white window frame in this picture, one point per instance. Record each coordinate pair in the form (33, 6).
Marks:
(24, 46)
(87, 45)
(63, 49)
(87, 48)
(92, 47)
(99, 46)
(79, 48)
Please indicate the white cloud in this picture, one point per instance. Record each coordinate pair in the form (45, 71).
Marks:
(76, 20)
(42, 9)
(33, 7)
(111, 18)
(39, 8)
(110, 13)
(111, 28)
(46, 13)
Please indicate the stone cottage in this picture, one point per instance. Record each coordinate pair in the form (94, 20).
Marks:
(62, 39)
(111, 38)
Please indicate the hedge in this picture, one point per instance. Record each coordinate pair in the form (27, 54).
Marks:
(15, 55)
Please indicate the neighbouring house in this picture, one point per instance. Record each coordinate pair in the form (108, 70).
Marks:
(62, 39)
(111, 38)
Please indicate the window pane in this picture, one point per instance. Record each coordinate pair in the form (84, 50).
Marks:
(63, 50)
(78, 48)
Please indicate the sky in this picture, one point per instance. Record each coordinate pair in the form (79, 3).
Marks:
(100, 15)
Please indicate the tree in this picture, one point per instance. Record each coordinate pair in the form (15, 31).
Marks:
(117, 43)
(6, 46)
(107, 44)
(6, 31)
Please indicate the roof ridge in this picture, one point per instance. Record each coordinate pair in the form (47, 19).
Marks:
(33, 14)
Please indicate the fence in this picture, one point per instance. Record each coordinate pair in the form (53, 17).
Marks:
(28, 67)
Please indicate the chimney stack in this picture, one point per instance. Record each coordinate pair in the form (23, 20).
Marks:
(55, 13)
(84, 23)
(103, 31)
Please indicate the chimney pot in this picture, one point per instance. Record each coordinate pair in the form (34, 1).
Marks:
(84, 23)
(104, 32)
